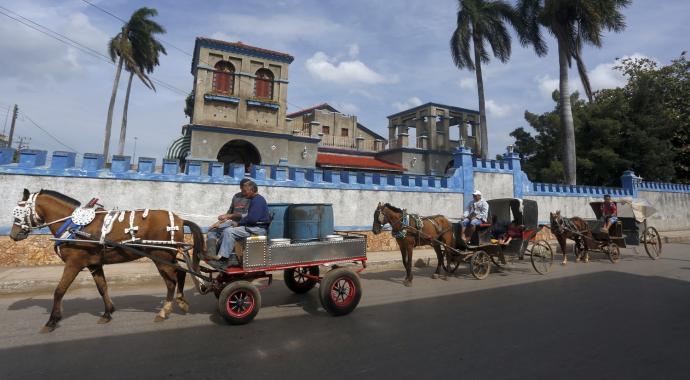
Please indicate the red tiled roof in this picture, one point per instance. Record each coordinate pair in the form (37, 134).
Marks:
(355, 162)
(239, 44)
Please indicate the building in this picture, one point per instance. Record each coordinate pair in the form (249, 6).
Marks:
(239, 105)
(238, 116)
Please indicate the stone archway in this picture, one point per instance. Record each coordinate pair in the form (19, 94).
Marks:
(238, 152)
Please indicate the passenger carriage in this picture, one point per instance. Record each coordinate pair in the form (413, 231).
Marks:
(631, 229)
(484, 247)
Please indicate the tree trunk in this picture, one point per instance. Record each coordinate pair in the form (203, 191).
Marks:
(109, 122)
(567, 124)
(483, 137)
(123, 128)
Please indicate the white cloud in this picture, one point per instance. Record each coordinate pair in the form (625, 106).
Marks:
(546, 85)
(279, 27)
(605, 76)
(325, 68)
(467, 83)
(225, 37)
(497, 110)
(409, 103)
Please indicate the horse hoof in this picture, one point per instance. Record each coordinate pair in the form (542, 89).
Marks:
(564, 262)
(184, 307)
(434, 276)
(104, 319)
(47, 329)
(444, 278)
(158, 319)
(407, 283)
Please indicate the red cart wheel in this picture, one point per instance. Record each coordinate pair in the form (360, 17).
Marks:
(340, 291)
(296, 280)
(239, 303)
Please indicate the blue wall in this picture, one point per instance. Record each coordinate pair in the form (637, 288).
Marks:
(461, 180)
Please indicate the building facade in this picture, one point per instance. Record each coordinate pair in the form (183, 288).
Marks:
(239, 107)
(238, 113)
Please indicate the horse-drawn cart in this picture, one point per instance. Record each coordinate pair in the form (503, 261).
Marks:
(239, 299)
(631, 229)
(484, 247)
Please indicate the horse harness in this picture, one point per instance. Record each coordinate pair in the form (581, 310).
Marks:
(418, 221)
(27, 218)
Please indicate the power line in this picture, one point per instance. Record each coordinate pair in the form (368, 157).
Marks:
(25, 116)
(77, 45)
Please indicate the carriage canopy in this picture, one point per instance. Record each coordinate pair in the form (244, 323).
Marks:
(637, 209)
(524, 211)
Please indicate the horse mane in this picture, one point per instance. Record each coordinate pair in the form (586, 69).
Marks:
(390, 206)
(61, 197)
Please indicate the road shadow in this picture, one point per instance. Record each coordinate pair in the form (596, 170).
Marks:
(602, 325)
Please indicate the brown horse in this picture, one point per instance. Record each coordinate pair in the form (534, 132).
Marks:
(575, 229)
(51, 209)
(409, 234)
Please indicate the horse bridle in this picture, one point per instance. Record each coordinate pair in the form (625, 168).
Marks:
(26, 217)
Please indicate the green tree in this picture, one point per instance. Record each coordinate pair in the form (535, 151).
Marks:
(481, 21)
(573, 23)
(127, 48)
(643, 126)
(146, 53)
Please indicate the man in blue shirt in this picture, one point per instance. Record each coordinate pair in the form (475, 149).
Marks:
(254, 222)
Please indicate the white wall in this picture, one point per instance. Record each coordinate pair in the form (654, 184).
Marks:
(494, 185)
(673, 210)
(201, 203)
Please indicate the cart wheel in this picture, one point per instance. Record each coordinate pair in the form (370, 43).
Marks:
(297, 282)
(480, 265)
(239, 303)
(451, 263)
(541, 256)
(340, 291)
(652, 242)
(613, 252)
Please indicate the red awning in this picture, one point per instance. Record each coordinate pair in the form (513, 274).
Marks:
(355, 162)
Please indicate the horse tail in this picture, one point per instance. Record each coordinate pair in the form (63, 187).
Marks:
(197, 239)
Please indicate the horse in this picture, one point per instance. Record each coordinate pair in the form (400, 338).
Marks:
(575, 229)
(52, 209)
(433, 229)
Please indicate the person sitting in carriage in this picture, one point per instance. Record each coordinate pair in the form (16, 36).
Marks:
(609, 213)
(477, 213)
(514, 231)
(254, 222)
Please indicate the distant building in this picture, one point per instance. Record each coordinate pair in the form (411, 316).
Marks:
(238, 115)
(4, 140)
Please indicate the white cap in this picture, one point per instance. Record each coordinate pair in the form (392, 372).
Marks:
(477, 192)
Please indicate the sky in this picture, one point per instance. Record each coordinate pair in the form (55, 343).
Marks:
(369, 58)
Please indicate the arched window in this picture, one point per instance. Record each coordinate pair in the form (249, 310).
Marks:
(263, 84)
(224, 78)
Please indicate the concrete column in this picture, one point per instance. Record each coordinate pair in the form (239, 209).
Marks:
(630, 182)
(314, 128)
(463, 178)
(445, 122)
(403, 136)
(392, 135)
(359, 141)
(378, 145)
(431, 128)
(423, 142)
(421, 129)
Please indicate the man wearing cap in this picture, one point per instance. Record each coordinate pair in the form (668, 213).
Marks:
(609, 212)
(477, 212)
(254, 222)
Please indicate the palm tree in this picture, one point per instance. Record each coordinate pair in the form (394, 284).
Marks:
(127, 48)
(572, 23)
(146, 51)
(479, 21)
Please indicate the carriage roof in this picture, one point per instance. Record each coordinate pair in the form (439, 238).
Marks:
(525, 211)
(639, 209)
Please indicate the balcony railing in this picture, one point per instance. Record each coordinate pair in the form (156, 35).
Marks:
(348, 142)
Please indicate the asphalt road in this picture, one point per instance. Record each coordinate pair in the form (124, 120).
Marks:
(595, 321)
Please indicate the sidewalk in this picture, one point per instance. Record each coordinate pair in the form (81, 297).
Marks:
(45, 278)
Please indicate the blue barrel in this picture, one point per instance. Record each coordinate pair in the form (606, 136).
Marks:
(309, 221)
(278, 213)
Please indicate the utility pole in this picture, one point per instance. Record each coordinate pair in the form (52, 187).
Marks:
(14, 121)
